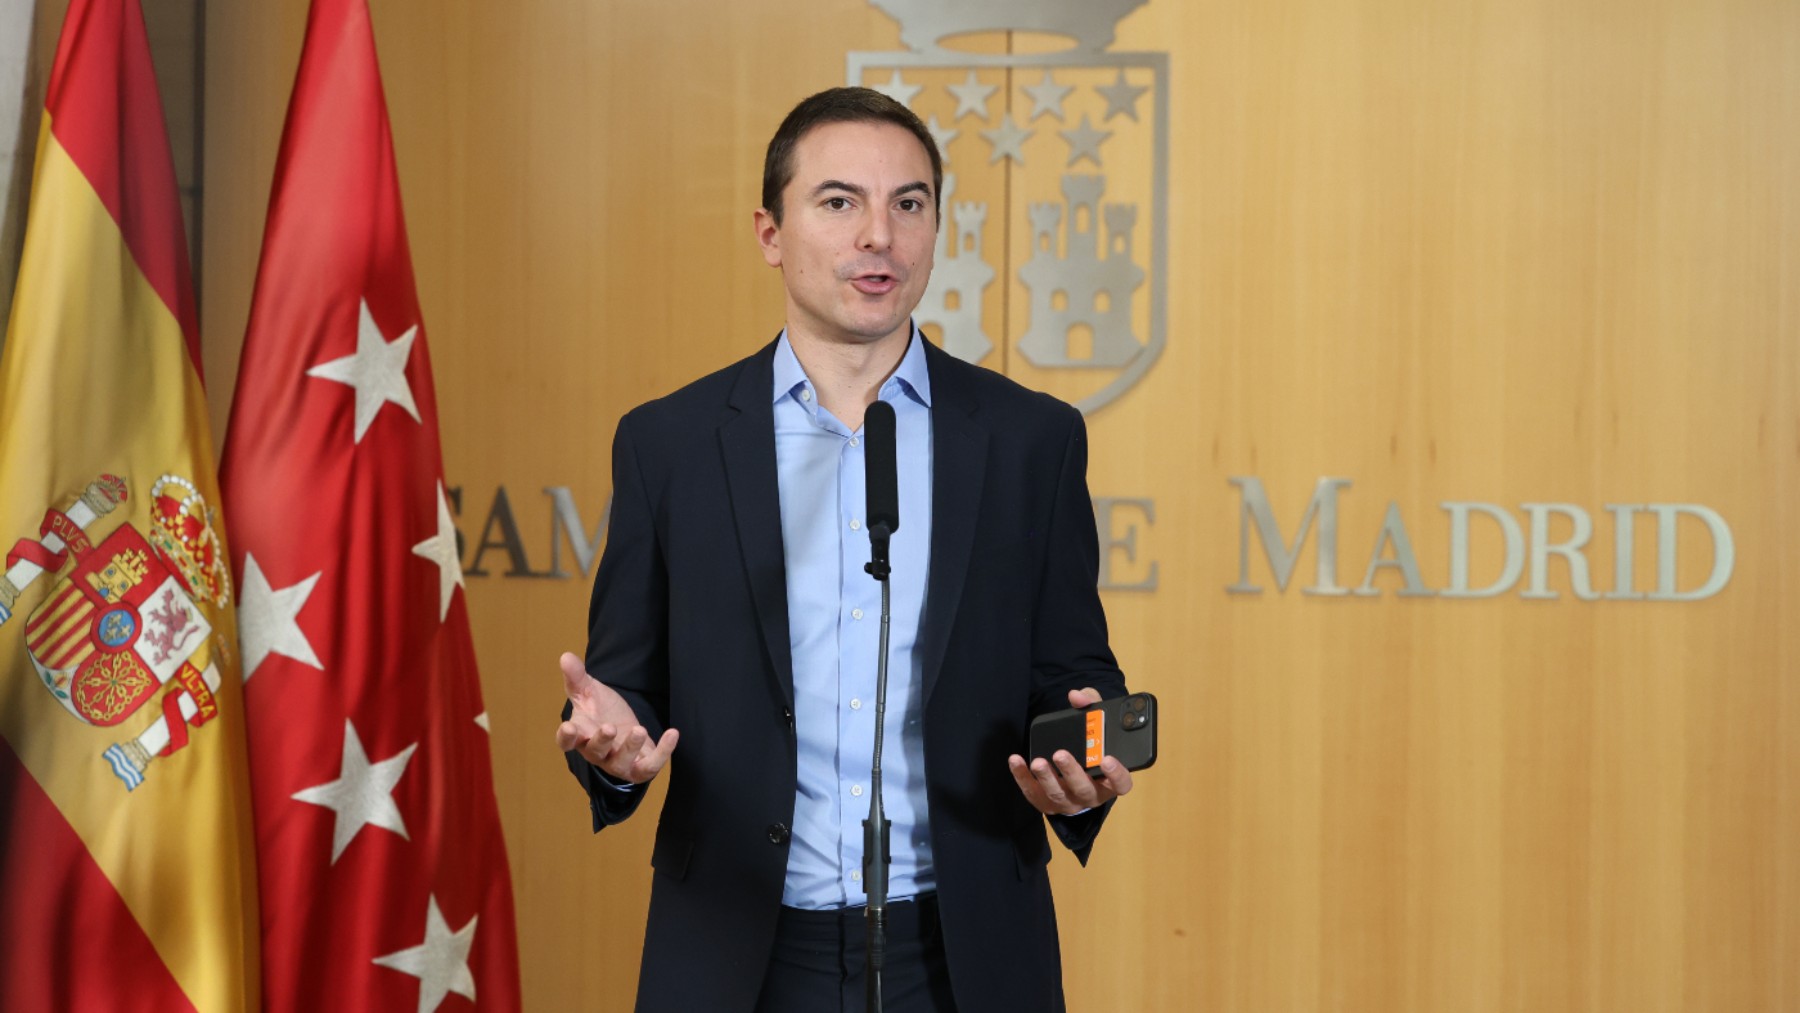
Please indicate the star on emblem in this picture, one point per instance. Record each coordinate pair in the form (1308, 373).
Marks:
(1121, 97)
(363, 793)
(377, 371)
(269, 619)
(1084, 142)
(942, 135)
(440, 548)
(897, 89)
(441, 962)
(1007, 139)
(971, 97)
(1047, 96)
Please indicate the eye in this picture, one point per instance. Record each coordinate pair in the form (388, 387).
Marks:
(837, 203)
(911, 205)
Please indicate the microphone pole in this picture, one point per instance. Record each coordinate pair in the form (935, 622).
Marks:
(882, 505)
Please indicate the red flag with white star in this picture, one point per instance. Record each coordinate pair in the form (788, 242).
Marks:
(383, 871)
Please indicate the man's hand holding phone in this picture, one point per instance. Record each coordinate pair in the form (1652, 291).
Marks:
(1061, 785)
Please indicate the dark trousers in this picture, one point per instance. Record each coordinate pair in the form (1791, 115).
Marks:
(819, 964)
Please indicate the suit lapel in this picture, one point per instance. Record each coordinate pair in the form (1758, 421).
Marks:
(747, 441)
(959, 456)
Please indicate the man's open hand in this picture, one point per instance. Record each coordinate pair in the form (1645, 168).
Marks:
(603, 728)
(1065, 787)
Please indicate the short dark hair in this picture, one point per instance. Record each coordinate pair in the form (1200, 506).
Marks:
(840, 105)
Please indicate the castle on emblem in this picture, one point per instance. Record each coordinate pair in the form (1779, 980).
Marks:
(1085, 287)
(958, 277)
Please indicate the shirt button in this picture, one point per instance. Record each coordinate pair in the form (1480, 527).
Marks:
(855, 525)
(856, 789)
(856, 703)
(855, 877)
(778, 833)
(805, 395)
(854, 442)
(856, 613)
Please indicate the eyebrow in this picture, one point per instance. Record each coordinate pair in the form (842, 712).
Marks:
(917, 186)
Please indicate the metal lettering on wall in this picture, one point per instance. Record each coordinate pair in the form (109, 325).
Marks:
(504, 546)
(1096, 287)
(1526, 550)
(500, 532)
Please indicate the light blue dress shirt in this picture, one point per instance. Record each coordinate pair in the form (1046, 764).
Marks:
(834, 630)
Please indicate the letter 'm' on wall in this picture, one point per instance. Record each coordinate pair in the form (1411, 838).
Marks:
(1254, 510)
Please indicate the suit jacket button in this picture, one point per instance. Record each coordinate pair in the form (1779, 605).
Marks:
(778, 833)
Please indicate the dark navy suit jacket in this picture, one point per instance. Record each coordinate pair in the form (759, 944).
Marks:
(689, 622)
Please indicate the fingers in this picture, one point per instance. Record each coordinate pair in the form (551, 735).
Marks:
(650, 762)
(575, 677)
(1118, 779)
(1062, 788)
(570, 736)
(618, 747)
(626, 753)
(596, 744)
(628, 744)
(1073, 783)
(1028, 785)
(1083, 697)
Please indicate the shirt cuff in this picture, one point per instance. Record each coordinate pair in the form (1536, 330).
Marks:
(616, 785)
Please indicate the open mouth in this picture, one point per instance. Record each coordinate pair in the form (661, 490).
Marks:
(874, 284)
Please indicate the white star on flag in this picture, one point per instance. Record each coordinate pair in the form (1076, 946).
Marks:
(441, 549)
(269, 619)
(377, 371)
(363, 793)
(441, 962)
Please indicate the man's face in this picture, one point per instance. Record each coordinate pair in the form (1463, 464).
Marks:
(859, 223)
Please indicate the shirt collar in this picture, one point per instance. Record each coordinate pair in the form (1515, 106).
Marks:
(911, 377)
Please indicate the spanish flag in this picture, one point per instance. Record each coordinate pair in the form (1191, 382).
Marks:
(127, 875)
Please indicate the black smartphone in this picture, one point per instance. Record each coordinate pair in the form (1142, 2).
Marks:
(1123, 727)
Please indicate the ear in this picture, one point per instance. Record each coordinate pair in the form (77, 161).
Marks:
(768, 236)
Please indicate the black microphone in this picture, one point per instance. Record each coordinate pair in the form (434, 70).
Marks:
(881, 508)
(882, 495)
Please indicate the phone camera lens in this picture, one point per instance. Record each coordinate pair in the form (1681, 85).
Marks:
(1137, 703)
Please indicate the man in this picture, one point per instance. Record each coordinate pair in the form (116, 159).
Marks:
(731, 614)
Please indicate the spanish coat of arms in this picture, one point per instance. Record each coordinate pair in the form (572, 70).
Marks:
(124, 621)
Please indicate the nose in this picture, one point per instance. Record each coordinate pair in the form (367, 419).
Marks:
(877, 232)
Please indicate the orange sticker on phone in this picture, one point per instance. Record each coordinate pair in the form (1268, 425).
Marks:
(1096, 737)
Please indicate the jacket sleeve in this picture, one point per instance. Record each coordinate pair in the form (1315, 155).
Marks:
(627, 645)
(1069, 646)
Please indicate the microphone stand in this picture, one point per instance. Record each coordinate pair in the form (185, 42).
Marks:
(876, 827)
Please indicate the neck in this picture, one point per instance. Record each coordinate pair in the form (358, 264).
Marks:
(847, 376)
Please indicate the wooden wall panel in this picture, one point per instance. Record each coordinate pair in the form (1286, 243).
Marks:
(1485, 251)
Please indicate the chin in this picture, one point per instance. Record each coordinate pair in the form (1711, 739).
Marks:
(874, 330)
